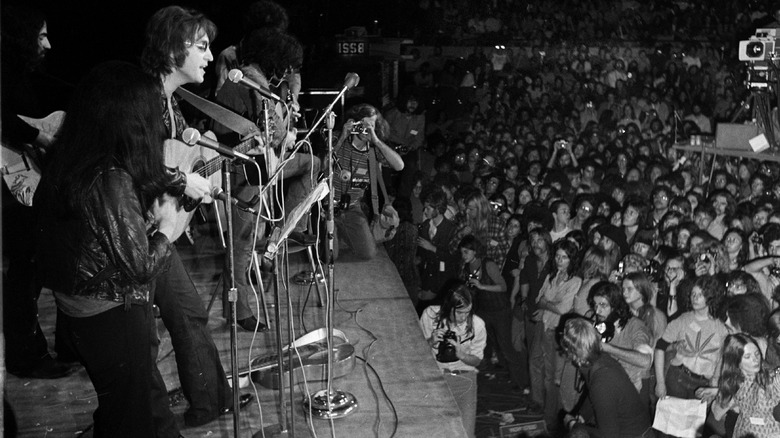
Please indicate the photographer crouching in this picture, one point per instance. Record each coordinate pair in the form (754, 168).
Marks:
(457, 338)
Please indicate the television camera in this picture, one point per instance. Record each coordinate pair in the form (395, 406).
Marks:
(762, 53)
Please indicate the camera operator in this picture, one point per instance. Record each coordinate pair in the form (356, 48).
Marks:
(362, 136)
(457, 338)
(766, 270)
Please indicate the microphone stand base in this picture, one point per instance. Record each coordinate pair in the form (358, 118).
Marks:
(336, 405)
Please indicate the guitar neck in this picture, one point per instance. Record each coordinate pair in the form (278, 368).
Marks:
(215, 164)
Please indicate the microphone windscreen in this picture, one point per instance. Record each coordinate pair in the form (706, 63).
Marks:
(235, 75)
(351, 80)
(191, 136)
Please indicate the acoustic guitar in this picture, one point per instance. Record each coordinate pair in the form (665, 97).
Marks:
(310, 360)
(19, 166)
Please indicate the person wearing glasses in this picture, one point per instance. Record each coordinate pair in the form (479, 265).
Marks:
(177, 52)
(266, 54)
(457, 338)
(584, 209)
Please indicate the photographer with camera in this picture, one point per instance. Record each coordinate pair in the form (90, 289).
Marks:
(359, 144)
(766, 268)
(457, 338)
(562, 155)
(613, 408)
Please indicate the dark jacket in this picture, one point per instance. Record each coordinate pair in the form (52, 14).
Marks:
(106, 235)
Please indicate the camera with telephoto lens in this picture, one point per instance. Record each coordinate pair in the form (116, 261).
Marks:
(446, 350)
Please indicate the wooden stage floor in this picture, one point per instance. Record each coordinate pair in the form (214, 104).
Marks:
(407, 394)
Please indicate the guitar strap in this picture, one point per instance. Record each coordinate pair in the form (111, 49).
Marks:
(375, 173)
(231, 120)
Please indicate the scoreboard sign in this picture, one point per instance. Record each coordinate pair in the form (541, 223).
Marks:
(350, 47)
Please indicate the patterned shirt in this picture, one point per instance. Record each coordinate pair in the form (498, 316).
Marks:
(496, 240)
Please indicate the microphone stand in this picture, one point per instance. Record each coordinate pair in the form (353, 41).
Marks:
(283, 420)
(232, 295)
(313, 128)
(329, 403)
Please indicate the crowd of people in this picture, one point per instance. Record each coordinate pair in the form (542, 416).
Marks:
(546, 222)
(563, 199)
(459, 21)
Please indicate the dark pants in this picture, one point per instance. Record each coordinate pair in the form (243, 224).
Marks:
(114, 347)
(499, 328)
(24, 341)
(201, 374)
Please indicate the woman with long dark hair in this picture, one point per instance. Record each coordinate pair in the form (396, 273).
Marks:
(747, 387)
(555, 299)
(105, 187)
(463, 334)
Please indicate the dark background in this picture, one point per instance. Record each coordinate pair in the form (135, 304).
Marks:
(84, 33)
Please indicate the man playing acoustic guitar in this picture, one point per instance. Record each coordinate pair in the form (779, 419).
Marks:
(177, 51)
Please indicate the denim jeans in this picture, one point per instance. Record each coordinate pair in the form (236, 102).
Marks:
(546, 365)
(201, 374)
(114, 348)
(352, 225)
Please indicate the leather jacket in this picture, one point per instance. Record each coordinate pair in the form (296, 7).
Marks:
(101, 250)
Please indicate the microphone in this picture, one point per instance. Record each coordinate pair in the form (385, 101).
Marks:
(192, 137)
(351, 80)
(218, 193)
(237, 77)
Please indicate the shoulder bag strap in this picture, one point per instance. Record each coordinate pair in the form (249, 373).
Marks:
(373, 171)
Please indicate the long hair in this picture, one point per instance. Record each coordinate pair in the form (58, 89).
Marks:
(620, 311)
(744, 249)
(479, 225)
(114, 120)
(595, 264)
(273, 51)
(731, 377)
(646, 312)
(167, 34)
(714, 292)
(471, 242)
(581, 341)
(458, 296)
(749, 314)
(570, 248)
(360, 111)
